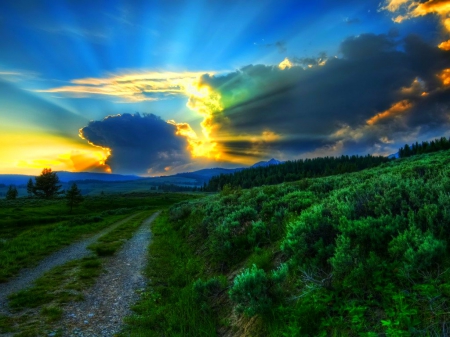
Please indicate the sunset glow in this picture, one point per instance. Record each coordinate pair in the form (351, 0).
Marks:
(153, 89)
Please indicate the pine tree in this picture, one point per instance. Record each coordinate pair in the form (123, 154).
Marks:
(47, 184)
(30, 188)
(73, 196)
(12, 193)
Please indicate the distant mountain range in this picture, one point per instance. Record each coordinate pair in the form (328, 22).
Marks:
(393, 156)
(65, 177)
(201, 176)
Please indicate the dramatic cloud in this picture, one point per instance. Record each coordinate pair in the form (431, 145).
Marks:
(377, 95)
(380, 92)
(139, 144)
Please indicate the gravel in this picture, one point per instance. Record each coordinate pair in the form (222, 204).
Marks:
(116, 290)
(27, 276)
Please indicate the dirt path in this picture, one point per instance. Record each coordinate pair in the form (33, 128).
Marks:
(75, 251)
(110, 299)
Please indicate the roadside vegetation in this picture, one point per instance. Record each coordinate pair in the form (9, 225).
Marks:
(168, 306)
(356, 254)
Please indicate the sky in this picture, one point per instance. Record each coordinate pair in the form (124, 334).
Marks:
(160, 87)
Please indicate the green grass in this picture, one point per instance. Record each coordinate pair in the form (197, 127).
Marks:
(6, 324)
(32, 245)
(60, 285)
(168, 306)
(52, 314)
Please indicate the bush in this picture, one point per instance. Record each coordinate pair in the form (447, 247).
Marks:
(417, 250)
(179, 212)
(257, 234)
(203, 290)
(255, 292)
(311, 237)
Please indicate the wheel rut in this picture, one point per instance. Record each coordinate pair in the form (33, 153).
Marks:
(115, 291)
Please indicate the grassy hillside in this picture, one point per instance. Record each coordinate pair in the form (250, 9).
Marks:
(357, 254)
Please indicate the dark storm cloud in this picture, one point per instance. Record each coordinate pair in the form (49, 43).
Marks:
(139, 144)
(333, 102)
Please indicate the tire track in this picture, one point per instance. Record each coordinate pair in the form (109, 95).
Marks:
(111, 298)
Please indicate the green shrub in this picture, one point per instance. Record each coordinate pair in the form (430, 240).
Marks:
(417, 250)
(205, 289)
(254, 292)
(258, 233)
(311, 237)
(179, 212)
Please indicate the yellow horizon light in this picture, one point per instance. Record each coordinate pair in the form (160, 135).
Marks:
(30, 153)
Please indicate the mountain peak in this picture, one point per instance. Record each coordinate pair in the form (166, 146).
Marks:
(272, 161)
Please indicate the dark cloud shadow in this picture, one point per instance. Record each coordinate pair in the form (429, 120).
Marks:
(139, 143)
(314, 105)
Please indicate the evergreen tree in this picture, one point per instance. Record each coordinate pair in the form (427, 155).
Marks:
(30, 188)
(12, 193)
(47, 184)
(73, 196)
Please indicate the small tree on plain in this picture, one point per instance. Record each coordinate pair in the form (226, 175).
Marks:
(12, 193)
(30, 188)
(73, 196)
(47, 184)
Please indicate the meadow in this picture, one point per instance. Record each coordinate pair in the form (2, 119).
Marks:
(355, 254)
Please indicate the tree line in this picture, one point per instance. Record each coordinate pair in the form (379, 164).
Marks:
(293, 170)
(47, 186)
(424, 147)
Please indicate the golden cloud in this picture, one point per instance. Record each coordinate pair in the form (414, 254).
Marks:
(132, 87)
(444, 76)
(395, 5)
(395, 109)
(285, 64)
(410, 9)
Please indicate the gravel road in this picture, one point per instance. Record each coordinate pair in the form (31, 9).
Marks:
(75, 251)
(110, 299)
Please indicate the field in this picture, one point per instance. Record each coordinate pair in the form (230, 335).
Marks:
(358, 254)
